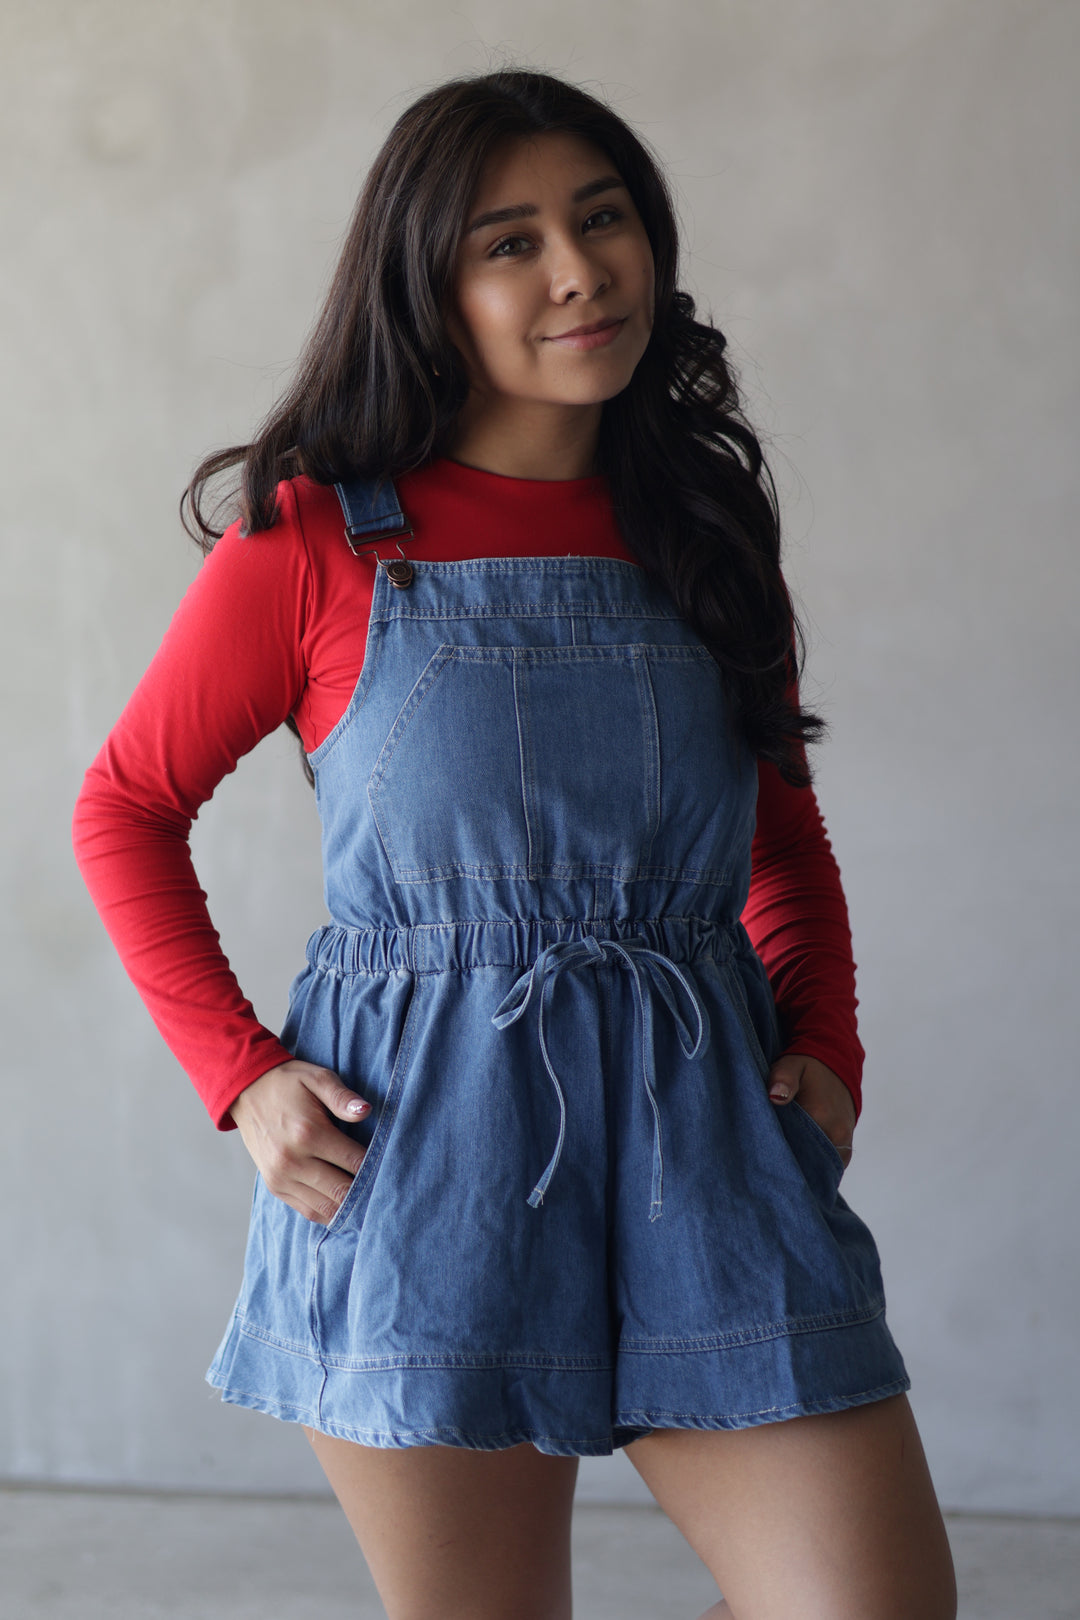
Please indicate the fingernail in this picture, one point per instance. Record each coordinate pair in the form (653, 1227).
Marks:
(357, 1107)
(779, 1094)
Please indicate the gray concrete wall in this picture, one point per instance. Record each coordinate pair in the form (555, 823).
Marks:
(881, 206)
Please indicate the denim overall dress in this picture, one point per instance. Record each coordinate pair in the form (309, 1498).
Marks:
(579, 1216)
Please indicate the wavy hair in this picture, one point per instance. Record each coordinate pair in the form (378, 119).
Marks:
(379, 385)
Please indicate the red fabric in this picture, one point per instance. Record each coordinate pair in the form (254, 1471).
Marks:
(276, 625)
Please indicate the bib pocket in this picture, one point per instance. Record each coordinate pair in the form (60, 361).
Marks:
(580, 761)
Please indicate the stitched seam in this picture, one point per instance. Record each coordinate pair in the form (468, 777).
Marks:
(792, 1327)
(565, 869)
(652, 747)
(465, 1361)
(420, 688)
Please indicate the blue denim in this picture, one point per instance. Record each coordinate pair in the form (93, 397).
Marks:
(579, 1217)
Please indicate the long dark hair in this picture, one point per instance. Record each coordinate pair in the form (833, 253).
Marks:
(379, 386)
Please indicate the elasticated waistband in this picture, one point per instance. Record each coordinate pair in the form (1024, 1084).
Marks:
(456, 947)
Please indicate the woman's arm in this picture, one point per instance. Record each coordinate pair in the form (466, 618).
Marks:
(797, 919)
(229, 671)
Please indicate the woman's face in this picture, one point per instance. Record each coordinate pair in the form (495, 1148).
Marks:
(552, 244)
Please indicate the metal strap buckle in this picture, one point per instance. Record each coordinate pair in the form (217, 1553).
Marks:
(373, 518)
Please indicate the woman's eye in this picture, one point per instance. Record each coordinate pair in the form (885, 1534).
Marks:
(509, 242)
(603, 216)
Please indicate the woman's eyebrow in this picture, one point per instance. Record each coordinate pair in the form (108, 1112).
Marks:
(503, 216)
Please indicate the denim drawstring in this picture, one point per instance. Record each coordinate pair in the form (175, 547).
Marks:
(638, 957)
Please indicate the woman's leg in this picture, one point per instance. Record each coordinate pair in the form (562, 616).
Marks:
(451, 1533)
(831, 1517)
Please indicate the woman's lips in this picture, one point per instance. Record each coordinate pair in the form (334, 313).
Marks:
(590, 337)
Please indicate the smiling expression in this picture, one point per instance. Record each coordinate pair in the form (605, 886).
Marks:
(554, 280)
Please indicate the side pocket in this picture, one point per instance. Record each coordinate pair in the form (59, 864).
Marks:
(377, 1132)
(737, 991)
(811, 1126)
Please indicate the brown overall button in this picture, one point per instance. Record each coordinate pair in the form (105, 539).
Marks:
(400, 572)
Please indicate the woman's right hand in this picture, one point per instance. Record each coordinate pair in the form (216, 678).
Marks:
(286, 1118)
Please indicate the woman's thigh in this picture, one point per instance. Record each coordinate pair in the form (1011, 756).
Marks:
(454, 1533)
(831, 1517)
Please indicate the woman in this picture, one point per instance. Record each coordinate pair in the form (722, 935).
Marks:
(534, 1181)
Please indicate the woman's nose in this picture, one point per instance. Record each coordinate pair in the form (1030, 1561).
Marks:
(576, 272)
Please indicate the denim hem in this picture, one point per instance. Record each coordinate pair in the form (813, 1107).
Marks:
(627, 1426)
(563, 1410)
(402, 1439)
(651, 1419)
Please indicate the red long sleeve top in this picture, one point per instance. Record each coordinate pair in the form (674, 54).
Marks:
(276, 625)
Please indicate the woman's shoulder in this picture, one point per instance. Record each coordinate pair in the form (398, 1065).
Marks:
(307, 506)
(299, 539)
(268, 561)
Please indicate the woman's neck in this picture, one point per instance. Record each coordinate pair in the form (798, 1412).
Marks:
(528, 440)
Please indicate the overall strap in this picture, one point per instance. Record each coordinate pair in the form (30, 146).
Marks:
(371, 510)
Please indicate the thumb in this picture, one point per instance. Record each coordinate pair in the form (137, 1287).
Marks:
(335, 1095)
(785, 1078)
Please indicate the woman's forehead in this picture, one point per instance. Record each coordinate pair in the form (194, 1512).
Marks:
(528, 164)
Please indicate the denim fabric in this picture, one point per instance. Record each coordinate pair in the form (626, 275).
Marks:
(579, 1216)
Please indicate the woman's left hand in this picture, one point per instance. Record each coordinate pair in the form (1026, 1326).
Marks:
(821, 1092)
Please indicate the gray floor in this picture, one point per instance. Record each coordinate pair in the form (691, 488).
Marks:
(97, 1555)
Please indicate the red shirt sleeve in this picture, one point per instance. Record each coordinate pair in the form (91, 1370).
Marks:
(797, 919)
(229, 671)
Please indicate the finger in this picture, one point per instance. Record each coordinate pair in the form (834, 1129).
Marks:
(315, 1146)
(342, 1153)
(335, 1095)
(316, 1191)
(317, 1216)
(302, 1207)
(785, 1078)
(325, 1191)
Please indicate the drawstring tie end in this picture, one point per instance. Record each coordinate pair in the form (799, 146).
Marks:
(648, 968)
